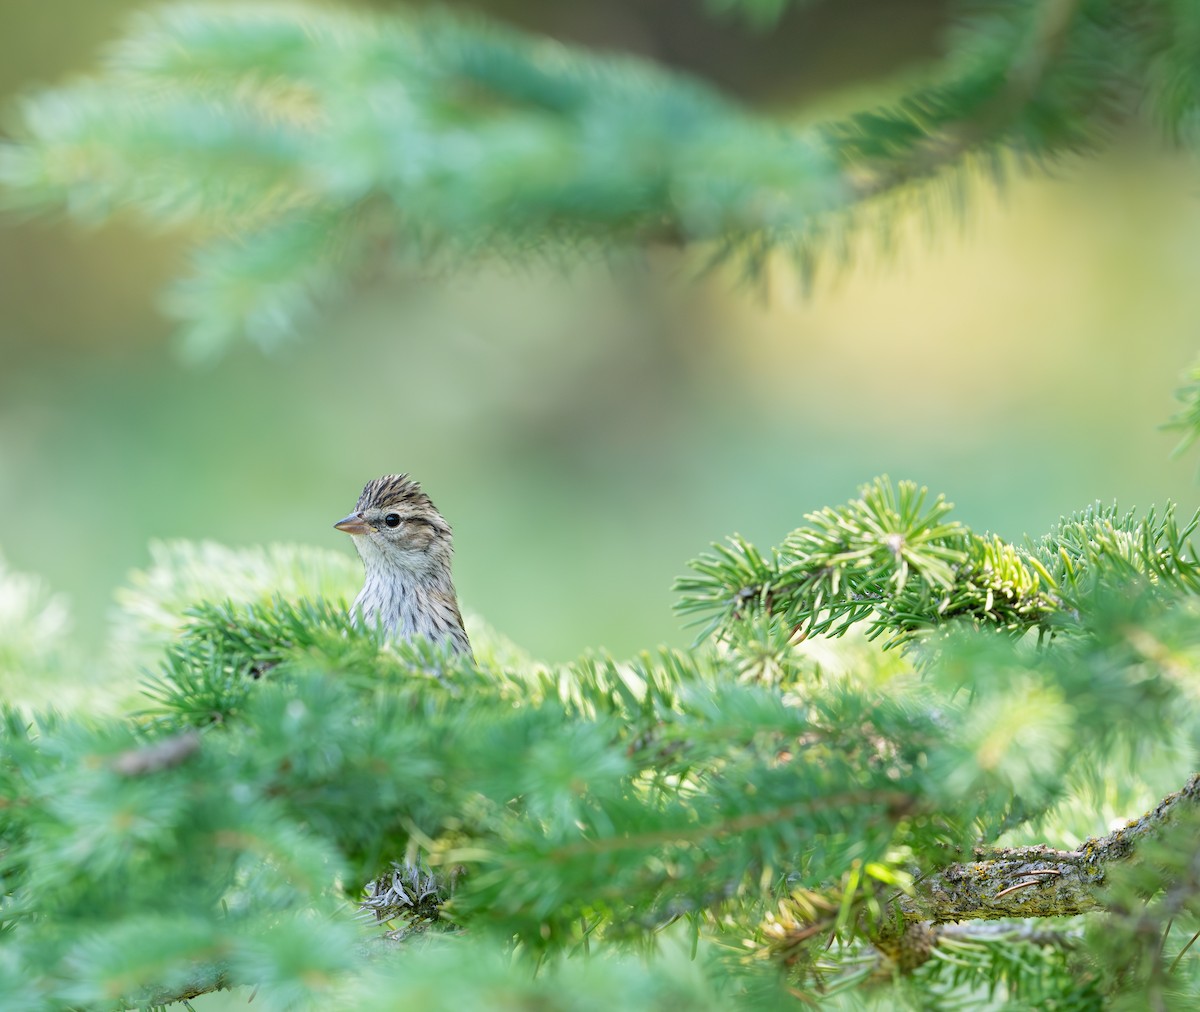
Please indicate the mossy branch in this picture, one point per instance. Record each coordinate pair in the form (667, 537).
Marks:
(1039, 881)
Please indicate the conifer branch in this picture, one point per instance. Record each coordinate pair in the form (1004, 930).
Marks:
(207, 982)
(288, 754)
(161, 755)
(903, 569)
(894, 804)
(990, 117)
(312, 148)
(1040, 882)
(1018, 883)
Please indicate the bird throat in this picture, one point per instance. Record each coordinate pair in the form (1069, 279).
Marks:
(410, 603)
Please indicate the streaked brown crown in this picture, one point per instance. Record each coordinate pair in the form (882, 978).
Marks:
(393, 490)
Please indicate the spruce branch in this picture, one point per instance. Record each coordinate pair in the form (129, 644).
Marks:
(161, 755)
(34, 624)
(310, 149)
(210, 982)
(892, 805)
(987, 105)
(931, 919)
(153, 607)
(606, 804)
(886, 560)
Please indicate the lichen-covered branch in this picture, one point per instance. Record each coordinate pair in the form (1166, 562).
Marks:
(1040, 881)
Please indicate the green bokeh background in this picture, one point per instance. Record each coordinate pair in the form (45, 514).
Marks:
(589, 431)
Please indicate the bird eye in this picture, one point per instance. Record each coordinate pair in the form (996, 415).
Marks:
(392, 520)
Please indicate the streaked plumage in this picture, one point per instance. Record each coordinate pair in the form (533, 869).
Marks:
(406, 548)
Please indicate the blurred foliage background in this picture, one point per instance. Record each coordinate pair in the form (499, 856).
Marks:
(588, 431)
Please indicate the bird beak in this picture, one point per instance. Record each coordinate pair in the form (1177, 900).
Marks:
(354, 524)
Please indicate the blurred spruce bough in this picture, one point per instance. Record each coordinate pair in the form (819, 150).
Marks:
(309, 146)
(775, 817)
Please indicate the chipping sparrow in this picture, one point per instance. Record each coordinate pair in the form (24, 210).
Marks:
(405, 545)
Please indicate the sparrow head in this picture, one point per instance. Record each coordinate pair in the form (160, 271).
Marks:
(396, 524)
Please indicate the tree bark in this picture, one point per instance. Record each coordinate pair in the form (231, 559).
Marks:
(1039, 881)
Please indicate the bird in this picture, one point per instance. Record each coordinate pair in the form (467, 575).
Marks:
(406, 549)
